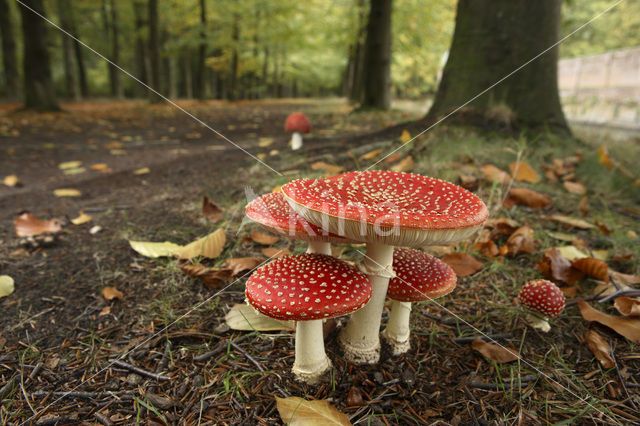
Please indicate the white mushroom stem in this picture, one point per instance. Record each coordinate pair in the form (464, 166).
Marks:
(397, 331)
(296, 141)
(311, 361)
(320, 247)
(360, 338)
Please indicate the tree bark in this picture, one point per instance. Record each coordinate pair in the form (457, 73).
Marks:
(78, 53)
(39, 90)
(493, 38)
(201, 85)
(9, 52)
(355, 73)
(116, 86)
(235, 37)
(154, 49)
(188, 83)
(70, 69)
(140, 48)
(377, 57)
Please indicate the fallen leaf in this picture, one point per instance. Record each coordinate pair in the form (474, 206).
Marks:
(262, 238)
(600, 348)
(627, 306)
(210, 210)
(295, 411)
(592, 267)
(105, 311)
(627, 327)
(561, 236)
(405, 165)
(27, 225)
(209, 246)
(584, 205)
(149, 249)
(405, 136)
(117, 152)
(329, 169)
(113, 145)
(100, 167)
(575, 187)
(95, 229)
(7, 285)
(354, 397)
(602, 227)
(265, 142)
(392, 158)
(569, 221)
(494, 352)
(604, 159)
(571, 252)
(463, 264)
(521, 241)
(621, 278)
(111, 293)
(243, 317)
(142, 171)
(11, 180)
(211, 277)
(66, 192)
(276, 188)
(371, 154)
(69, 165)
(494, 174)
(468, 182)
(556, 267)
(74, 171)
(501, 226)
(81, 219)
(275, 252)
(486, 248)
(239, 264)
(521, 171)
(526, 197)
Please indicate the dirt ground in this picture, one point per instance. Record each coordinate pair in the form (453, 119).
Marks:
(178, 363)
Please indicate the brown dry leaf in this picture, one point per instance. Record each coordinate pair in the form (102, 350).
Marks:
(244, 317)
(527, 197)
(265, 142)
(595, 268)
(627, 279)
(354, 397)
(494, 174)
(210, 210)
(99, 167)
(569, 221)
(574, 187)
(371, 154)
(11, 180)
(604, 159)
(142, 171)
(521, 241)
(329, 169)
(627, 306)
(66, 192)
(584, 205)
(627, 327)
(69, 165)
(275, 252)
(463, 264)
(486, 248)
(501, 226)
(211, 277)
(111, 293)
(209, 246)
(105, 311)
(239, 264)
(468, 182)
(602, 227)
(81, 219)
(556, 267)
(406, 165)
(600, 348)
(494, 352)
(392, 158)
(405, 136)
(521, 171)
(27, 225)
(262, 238)
(295, 411)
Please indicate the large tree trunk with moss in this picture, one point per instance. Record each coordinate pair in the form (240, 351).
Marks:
(492, 39)
(377, 57)
(39, 90)
(9, 56)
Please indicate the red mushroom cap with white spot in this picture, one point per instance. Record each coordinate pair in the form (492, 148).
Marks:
(419, 276)
(399, 209)
(544, 297)
(297, 122)
(307, 287)
(274, 213)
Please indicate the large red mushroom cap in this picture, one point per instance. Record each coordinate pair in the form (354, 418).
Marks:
(297, 122)
(274, 213)
(307, 287)
(399, 209)
(543, 297)
(419, 277)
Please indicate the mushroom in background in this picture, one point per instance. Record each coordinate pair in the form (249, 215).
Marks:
(308, 288)
(298, 123)
(543, 298)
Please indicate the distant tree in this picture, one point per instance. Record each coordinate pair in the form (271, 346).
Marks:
(154, 48)
(492, 38)
(68, 55)
(354, 73)
(140, 49)
(200, 81)
(9, 55)
(39, 90)
(114, 73)
(376, 78)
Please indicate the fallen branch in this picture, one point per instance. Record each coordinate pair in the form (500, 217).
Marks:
(140, 371)
(505, 385)
(485, 337)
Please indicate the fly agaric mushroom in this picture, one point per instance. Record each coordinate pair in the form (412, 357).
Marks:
(276, 215)
(308, 288)
(384, 209)
(419, 277)
(544, 298)
(298, 123)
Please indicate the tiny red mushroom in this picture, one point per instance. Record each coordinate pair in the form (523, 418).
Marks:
(542, 297)
(297, 123)
(308, 288)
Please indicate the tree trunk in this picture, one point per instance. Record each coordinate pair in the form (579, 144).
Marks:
(116, 85)
(201, 85)
(78, 53)
(154, 49)
(235, 37)
(39, 90)
(9, 52)
(377, 57)
(70, 69)
(188, 83)
(141, 73)
(493, 38)
(356, 73)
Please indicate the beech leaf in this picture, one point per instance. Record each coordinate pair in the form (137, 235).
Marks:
(142, 171)
(81, 219)
(275, 252)
(210, 210)
(494, 352)
(27, 225)
(262, 238)
(209, 246)
(11, 180)
(570, 221)
(627, 306)
(329, 169)
(7, 286)
(239, 264)
(405, 136)
(521, 171)
(595, 268)
(600, 348)
(463, 264)
(405, 165)
(556, 267)
(371, 154)
(150, 249)
(527, 197)
(66, 192)
(521, 241)
(295, 411)
(243, 317)
(574, 187)
(211, 277)
(111, 293)
(494, 174)
(627, 327)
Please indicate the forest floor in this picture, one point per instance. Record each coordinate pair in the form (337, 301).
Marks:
(159, 349)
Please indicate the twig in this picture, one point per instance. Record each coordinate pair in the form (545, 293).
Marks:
(622, 381)
(35, 371)
(619, 293)
(243, 352)
(7, 387)
(220, 347)
(87, 395)
(586, 299)
(102, 419)
(485, 337)
(505, 385)
(140, 371)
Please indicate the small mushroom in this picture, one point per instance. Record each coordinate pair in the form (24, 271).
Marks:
(543, 298)
(419, 277)
(308, 288)
(297, 123)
